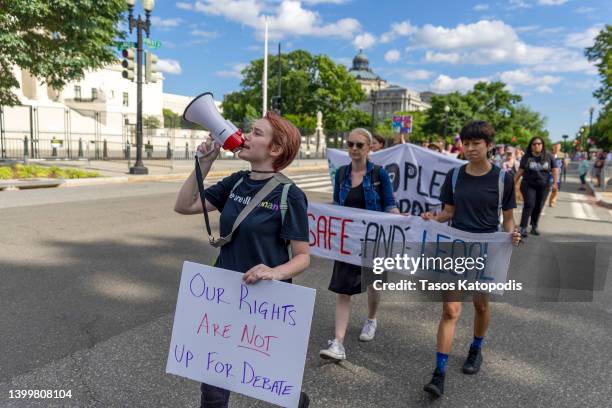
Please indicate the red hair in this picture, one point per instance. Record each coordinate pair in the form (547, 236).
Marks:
(284, 136)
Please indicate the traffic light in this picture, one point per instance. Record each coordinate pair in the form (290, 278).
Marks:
(129, 63)
(151, 73)
(276, 104)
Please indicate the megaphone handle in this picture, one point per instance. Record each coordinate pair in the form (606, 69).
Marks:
(200, 180)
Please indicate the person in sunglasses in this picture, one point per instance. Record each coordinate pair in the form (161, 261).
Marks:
(536, 168)
(359, 184)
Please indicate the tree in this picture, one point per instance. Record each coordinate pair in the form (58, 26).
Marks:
(601, 54)
(151, 122)
(460, 112)
(171, 119)
(310, 83)
(602, 129)
(524, 124)
(56, 41)
(493, 103)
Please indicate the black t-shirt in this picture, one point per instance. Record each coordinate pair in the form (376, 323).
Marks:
(537, 169)
(259, 239)
(356, 197)
(476, 199)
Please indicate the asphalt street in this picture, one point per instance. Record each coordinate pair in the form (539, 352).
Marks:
(89, 284)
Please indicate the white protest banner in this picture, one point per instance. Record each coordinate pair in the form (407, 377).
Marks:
(250, 339)
(416, 173)
(358, 236)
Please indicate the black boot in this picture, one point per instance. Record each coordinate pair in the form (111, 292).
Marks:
(534, 230)
(523, 232)
(473, 361)
(436, 385)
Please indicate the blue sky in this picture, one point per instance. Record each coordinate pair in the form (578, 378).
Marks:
(535, 46)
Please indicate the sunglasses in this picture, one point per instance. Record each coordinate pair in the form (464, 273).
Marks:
(536, 144)
(353, 144)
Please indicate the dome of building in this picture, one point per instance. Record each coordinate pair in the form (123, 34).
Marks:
(361, 67)
(361, 62)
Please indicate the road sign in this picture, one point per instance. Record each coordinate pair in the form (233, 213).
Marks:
(152, 44)
(122, 45)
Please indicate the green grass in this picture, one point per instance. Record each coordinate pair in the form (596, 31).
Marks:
(20, 171)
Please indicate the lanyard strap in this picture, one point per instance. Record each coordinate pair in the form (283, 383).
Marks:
(200, 179)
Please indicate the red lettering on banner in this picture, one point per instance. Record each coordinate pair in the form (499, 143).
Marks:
(343, 235)
(329, 230)
(313, 237)
(322, 231)
(325, 228)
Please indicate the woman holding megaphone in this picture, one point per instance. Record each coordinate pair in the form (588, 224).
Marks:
(272, 210)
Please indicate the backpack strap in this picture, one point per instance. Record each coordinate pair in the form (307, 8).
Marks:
(500, 190)
(283, 202)
(454, 177)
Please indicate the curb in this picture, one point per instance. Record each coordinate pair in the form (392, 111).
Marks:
(9, 185)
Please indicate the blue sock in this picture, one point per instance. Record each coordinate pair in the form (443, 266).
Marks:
(441, 360)
(477, 343)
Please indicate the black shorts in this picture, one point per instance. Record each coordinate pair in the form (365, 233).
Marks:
(349, 279)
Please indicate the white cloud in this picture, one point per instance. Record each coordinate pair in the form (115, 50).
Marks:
(392, 56)
(184, 6)
(446, 84)
(525, 78)
(234, 72)
(451, 58)
(481, 7)
(363, 41)
(551, 2)
(287, 18)
(484, 33)
(169, 66)
(417, 75)
(583, 39)
(584, 10)
(514, 4)
(525, 29)
(401, 29)
(165, 23)
(491, 42)
(205, 34)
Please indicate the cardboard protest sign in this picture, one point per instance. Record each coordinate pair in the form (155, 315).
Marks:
(416, 173)
(250, 339)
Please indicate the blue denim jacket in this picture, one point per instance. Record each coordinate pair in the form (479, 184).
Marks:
(373, 201)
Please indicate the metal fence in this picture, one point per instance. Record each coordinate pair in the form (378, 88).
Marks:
(31, 132)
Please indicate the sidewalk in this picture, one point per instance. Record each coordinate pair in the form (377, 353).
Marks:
(118, 171)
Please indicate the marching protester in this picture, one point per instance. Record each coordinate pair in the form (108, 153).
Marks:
(378, 143)
(535, 169)
(560, 162)
(260, 246)
(471, 199)
(598, 165)
(359, 184)
(583, 169)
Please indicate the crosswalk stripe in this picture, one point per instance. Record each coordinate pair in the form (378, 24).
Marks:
(590, 212)
(314, 184)
(578, 211)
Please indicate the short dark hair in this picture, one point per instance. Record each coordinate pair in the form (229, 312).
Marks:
(478, 129)
(380, 139)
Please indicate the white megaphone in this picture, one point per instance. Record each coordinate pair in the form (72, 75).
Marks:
(202, 111)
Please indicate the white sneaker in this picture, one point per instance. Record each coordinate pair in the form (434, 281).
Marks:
(334, 351)
(368, 331)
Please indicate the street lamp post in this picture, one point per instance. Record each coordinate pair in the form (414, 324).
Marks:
(446, 110)
(373, 97)
(565, 142)
(591, 109)
(140, 26)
